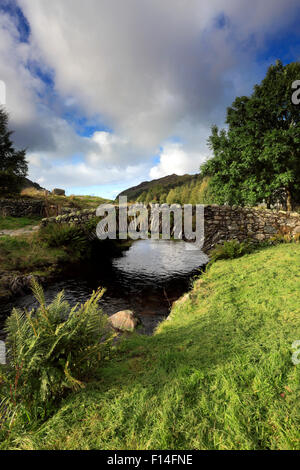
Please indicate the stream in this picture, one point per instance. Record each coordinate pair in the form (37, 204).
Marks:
(146, 279)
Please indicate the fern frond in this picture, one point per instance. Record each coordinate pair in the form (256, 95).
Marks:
(75, 384)
(52, 349)
(38, 292)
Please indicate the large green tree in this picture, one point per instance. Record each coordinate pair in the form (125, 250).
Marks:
(258, 156)
(13, 165)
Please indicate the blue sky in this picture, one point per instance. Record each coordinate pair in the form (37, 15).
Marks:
(114, 94)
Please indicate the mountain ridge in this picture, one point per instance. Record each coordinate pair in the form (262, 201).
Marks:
(167, 182)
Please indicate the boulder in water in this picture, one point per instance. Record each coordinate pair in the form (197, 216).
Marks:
(125, 320)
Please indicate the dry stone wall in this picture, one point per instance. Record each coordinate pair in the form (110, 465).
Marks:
(71, 217)
(21, 208)
(224, 223)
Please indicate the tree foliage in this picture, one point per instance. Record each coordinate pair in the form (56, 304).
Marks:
(13, 165)
(258, 156)
(197, 191)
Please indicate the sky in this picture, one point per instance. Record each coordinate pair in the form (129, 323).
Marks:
(105, 94)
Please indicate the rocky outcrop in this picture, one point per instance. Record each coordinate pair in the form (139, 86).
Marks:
(58, 192)
(125, 320)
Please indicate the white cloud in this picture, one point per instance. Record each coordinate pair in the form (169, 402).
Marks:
(175, 159)
(79, 174)
(98, 161)
(112, 149)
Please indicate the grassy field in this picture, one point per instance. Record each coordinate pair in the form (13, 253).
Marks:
(14, 223)
(73, 201)
(217, 375)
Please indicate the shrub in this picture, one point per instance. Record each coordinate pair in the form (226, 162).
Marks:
(72, 239)
(53, 350)
(230, 250)
(284, 238)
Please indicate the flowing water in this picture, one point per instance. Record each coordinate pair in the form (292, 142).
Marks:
(146, 279)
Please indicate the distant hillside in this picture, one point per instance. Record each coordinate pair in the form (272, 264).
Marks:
(26, 183)
(164, 184)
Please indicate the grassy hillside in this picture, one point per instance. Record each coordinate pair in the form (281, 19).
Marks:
(75, 202)
(173, 189)
(162, 184)
(217, 375)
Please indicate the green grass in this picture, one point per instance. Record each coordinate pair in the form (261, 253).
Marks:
(78, 202)
(14, 223)
(26, 254)
(73, 201)
(217, 375)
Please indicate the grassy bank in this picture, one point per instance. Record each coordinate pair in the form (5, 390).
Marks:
(53, 252)
(26, 254)
(23, 255)
(14, 223)
(217, 375)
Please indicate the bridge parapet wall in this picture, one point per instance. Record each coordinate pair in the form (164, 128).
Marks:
(221, 223)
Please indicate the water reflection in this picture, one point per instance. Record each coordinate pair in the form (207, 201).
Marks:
(146, 279)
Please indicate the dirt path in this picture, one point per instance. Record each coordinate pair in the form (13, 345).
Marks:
(20, 231)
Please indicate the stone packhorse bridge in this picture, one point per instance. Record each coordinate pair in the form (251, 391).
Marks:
(221, 223)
